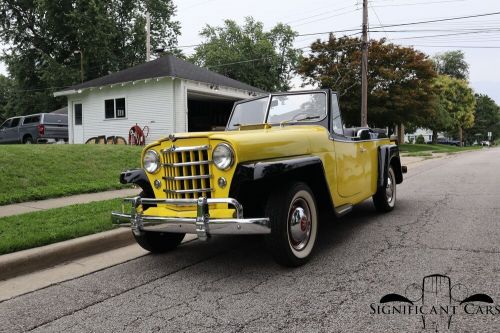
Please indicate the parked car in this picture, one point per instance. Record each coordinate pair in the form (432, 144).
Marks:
(444, 141)
(485, 143)
(283, 160)
(36, 128)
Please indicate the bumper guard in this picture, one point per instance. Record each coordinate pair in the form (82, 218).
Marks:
(202, 225)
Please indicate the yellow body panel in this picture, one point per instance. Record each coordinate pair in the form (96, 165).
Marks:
(351, 167)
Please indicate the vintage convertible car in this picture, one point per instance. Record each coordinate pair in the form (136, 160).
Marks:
(282, 160)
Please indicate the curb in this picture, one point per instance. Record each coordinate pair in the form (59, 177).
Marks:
(28, 261)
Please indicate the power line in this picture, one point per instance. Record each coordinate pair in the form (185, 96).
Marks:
(439, 20)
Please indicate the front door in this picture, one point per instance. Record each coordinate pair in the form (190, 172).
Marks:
(3, 131)
(78, 123)
(350, 170)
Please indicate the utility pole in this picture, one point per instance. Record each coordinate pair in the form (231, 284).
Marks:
(148, 37)
(81, 64)
(364, 67)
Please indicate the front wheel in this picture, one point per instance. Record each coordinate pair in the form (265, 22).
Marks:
(294, 224)
(157, 242)
(385, 198)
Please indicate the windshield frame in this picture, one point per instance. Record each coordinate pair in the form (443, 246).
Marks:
(321, 121)
(304, 92)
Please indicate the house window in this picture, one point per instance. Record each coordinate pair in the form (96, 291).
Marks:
(78, 114)
(114, 108)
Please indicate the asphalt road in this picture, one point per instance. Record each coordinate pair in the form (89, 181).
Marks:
(447, 221)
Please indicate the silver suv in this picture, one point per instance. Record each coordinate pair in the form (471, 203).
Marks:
(36, 128)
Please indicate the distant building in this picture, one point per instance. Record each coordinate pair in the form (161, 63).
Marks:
(426, 133)
(167, 95)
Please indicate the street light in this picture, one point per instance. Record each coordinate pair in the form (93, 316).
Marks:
(81, 64)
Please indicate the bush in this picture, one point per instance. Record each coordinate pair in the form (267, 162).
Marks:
(420, 140)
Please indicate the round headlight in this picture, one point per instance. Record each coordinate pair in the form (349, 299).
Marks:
(151, 161)
(223, 156)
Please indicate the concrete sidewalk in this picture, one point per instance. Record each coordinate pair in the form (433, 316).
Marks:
(34, 206)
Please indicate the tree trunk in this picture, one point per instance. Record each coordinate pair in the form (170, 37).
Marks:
(460, 136)
(401, 134)
(434, 137)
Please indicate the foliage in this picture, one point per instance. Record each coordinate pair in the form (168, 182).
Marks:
(44, 35)
(26, 231)
(399, 79)
(6, 97)
(456, 102)
(420, 140)
(486, 119)
(264, 59)
(452, 63)
(32, 172)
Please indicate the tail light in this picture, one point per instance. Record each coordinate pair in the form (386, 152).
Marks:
(41, 129)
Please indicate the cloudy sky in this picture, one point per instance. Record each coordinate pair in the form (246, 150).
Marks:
(478, 38)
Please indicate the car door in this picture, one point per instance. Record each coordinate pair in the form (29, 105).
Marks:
(352, 159)
(3, 129)
(11, 133)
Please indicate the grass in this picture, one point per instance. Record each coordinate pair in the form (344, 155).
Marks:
(33, 172)
(31, 230)
(427, 150)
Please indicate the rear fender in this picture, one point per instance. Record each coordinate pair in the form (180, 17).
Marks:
(388, 155)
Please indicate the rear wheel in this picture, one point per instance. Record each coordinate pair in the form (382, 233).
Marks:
(294, 224)
(158, 242)
(385, 198)
(28, 140)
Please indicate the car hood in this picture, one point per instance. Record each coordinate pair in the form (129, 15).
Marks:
(265, 143)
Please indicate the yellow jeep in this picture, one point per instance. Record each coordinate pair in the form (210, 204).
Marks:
(282, 160)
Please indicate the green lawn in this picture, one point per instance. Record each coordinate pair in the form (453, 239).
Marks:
(30, 230)
(426, 150)
(32, 172)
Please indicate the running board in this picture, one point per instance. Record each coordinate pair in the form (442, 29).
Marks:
(342, 210)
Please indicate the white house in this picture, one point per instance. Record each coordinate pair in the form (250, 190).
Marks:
(426, 133)
(167, 95)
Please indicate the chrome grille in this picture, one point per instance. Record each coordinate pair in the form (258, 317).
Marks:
(187, 172)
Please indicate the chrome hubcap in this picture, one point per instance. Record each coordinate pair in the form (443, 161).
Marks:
(389, 190)
(299, 224)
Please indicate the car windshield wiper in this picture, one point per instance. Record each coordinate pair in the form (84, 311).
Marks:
(298, 120)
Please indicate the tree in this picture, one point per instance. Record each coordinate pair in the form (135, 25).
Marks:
(6, 95)
(452, 63)
(457, 99)
(399, 79)
(439, 118)
(45, 36)
(248, 53)
(486, 119)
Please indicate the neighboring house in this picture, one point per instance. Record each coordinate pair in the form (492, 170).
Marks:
(167, 95)
(426, 133)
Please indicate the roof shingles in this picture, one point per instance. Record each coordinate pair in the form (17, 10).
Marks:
(168, 65)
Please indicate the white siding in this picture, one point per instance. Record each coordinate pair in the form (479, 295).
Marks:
(147, 104)
(159, 104)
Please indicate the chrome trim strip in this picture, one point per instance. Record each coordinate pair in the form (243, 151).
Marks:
(186, 163)
(195, 190)
(182, 149)
(188, 177)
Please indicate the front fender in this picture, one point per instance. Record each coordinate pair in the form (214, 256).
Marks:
(139, 178)
(254, 181)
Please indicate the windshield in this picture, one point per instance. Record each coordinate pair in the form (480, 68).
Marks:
(297, 107)
(248, 113)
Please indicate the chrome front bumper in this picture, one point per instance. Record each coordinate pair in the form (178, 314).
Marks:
(202, 225)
